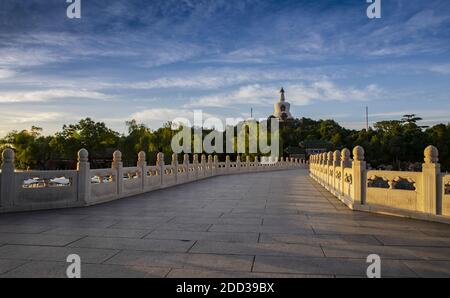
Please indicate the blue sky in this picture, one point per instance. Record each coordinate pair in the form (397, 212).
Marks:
(157, 60)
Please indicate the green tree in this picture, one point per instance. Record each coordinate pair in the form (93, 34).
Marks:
(95, 137)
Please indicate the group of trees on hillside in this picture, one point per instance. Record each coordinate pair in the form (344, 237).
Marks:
(397, 144)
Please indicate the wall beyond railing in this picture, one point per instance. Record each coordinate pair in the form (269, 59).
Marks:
(421, 195)
(35, 190)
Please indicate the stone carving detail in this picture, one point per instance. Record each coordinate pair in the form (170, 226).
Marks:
(338, 175)
(447, 188)
(395, 183)
(403, 183)
(99, 178)
(46, 182)
(378, 182)
(348, 178)
(152, 172)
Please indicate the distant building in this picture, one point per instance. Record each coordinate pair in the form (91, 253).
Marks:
(315, 146)
(294, 152)
(282, 108)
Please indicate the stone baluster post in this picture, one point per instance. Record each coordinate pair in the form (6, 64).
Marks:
(142, 164)
(203, 162)
(336, 165)
(345, 163)
(160, 166)
(359, 176)
(216, 165)
(431, 202)
(316, 165)
(319, 166)
(210, 165)
(227, 164)
(238, 163)
(174, 165)
(330, 169)
(7, 183)
(186, 166)
(117, 165)
(247, 163)
(324, 168)
(195, 165)
(84, 177)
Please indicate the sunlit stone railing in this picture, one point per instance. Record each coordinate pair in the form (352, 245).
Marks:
(421, 195)
(34, 190)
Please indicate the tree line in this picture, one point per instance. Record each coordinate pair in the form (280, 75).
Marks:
(393, 144)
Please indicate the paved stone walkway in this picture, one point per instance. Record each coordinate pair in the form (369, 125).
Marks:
(279, 224)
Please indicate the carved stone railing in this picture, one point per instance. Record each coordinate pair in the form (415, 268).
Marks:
(445, 195)
(34, 190)
(422, 195)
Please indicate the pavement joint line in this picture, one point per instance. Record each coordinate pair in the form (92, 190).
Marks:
(41, 245)
(188, 250)
(44, 231)
(115, 222)
(253, 263)
(67, 245)
(168, 273)
(113, 255)
(16, 267)
(411, 269)
(321, 248)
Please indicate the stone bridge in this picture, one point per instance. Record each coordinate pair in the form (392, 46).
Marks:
(264, 224)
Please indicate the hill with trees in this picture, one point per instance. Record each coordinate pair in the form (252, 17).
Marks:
(393, 144)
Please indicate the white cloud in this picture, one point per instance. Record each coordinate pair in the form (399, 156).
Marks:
(162, 115)
(6, 73)
(14, 57)
(441, 69)
(298, 94)
(21, 118)
(46, 95)
(33, 117)
(207, 79)
(250, 94)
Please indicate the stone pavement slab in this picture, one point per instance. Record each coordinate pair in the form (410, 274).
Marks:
(50, 253)
(120, 233)
(37, 239)
(48, 269)
(133, 244)
(204, 236)
(179, 260)
(335, 266)
(257, 249)
(319, 239)
(277, 224)
(180, 273)
(8, 265)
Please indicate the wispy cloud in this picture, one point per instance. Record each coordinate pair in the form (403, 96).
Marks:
(6, 73)
(51, 94)
(441, 69)
(298, 94)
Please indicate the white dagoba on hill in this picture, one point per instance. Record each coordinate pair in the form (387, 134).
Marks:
(281, 108)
